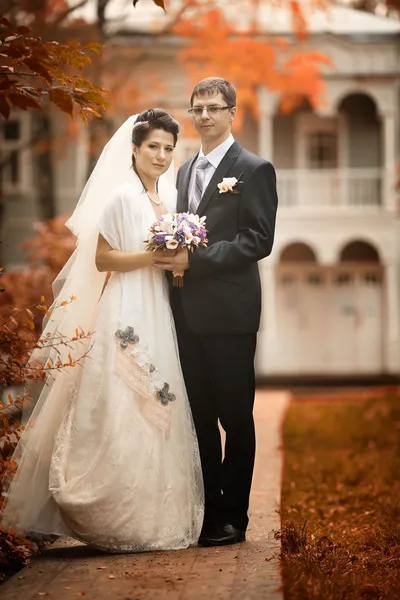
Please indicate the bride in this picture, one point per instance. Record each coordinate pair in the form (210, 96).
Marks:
(109, 454)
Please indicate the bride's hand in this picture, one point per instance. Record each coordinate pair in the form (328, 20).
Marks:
(155, 255)
(164, 253)
(177, 261)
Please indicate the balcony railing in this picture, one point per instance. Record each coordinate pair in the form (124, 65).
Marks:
(353, 188)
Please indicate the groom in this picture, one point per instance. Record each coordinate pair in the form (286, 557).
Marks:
(217, 311)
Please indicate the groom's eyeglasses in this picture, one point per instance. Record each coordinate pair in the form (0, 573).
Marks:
(213, 111)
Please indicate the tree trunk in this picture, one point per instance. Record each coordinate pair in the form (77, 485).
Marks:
(99, 129)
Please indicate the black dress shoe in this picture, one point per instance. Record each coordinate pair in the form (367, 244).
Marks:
(222, 536)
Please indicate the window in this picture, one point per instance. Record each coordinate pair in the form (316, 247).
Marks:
(343, 279)
(12, 130)
(320, 142)
(322, 150)
(372, 278)
(13, 136)
(13, 167)
(314, 279)
(288, 280)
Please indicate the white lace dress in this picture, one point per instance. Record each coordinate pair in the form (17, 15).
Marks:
(120, 467)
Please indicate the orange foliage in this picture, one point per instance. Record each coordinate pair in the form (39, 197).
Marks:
(46, 253)
(17, 340)
(23, 304)
(125, 89)
(33, 69)
(52, 246)
(249, 58)
(250, 61)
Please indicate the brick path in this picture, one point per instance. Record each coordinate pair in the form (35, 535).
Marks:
(248, 571)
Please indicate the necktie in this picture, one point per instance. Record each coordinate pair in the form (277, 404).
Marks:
(201, 167)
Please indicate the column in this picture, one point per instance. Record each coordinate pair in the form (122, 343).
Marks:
(266, 136)
(391, 314)
(267, 335)
(389, 170)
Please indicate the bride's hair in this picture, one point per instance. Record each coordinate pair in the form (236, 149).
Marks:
(148, 121)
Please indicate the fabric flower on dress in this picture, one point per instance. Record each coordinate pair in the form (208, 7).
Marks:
(127, 337)
(164, 395)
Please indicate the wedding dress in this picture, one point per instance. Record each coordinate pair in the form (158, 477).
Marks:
(110, 456)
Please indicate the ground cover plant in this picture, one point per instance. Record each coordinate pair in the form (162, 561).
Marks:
(341, 497)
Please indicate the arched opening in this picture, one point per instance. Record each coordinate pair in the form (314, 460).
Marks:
(363, 156)
(363, 131)
(359, 252)
(329, 316)
(297, 252)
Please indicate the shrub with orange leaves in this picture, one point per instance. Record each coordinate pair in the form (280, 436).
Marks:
(17, 340)
(23, 303)
(47, 253)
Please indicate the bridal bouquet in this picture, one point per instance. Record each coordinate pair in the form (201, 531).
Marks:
(173, 231)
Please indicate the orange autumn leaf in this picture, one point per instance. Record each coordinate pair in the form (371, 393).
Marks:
(31, 324)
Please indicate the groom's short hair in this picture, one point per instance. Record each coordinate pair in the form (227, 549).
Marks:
(215, 85)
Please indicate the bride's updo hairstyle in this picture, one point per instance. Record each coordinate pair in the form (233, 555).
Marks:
(148, 121)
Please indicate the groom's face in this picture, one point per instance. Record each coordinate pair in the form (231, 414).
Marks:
(215, 124)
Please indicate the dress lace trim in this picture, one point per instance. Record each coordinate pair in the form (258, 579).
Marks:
(134, 365)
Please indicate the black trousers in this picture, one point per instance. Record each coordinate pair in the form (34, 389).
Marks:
(219, 377)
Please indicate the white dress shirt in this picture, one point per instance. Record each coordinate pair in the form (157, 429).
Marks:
(214, 158)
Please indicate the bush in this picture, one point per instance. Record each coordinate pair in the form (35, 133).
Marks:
(23, 303)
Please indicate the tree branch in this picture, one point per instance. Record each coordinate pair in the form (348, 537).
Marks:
(65, 14)
(18, 74)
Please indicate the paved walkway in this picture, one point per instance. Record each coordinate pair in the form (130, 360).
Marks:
(249, 571)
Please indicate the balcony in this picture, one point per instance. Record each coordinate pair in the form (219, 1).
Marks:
(330, 188)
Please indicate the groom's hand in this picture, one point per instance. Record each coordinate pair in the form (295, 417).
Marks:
(176, 262)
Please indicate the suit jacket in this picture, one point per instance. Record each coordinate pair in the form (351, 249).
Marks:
(221, 292)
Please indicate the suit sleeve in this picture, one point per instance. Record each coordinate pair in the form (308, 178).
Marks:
(254, 241)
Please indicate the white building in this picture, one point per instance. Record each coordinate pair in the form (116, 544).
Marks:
(331, 287)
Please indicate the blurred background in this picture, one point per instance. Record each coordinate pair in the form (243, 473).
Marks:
(318, 96)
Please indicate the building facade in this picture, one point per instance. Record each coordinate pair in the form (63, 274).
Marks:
(332, 284)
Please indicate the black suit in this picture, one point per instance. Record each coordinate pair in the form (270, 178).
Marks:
(217, 314)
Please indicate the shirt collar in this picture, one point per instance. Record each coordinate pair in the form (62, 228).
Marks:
(216, 155)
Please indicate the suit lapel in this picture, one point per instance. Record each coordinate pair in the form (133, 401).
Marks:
(183, 196)
(223, 168)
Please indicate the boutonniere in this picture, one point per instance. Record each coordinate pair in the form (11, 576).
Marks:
(228, 184)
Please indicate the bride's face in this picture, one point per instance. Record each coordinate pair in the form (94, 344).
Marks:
(154, 155)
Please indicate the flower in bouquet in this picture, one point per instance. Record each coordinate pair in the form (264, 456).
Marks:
(173, 231)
